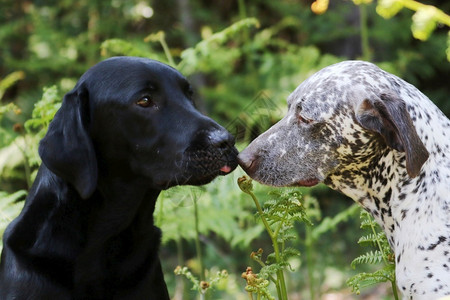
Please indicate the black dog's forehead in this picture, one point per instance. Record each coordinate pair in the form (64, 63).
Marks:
(129, 64)
(131, 72)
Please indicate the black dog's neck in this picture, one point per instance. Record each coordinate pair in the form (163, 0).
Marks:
(122, 212)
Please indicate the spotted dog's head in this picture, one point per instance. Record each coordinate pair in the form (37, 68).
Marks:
(340, 122)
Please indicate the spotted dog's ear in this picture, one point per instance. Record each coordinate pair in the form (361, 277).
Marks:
(389, 117)
(67, 149)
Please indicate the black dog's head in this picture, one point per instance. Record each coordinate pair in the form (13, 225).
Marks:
(136, 117)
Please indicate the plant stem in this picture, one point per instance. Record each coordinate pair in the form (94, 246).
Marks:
(281, 286)
(260, 212)
(197, 240)
(280, 274)
(394, 286)
(439, 15)
(26, 162)
(310, 262)
(394, 289)
(166, 49)
(179, 284)
(378, 244)
(262, 264)
(365, 48)
(242, 9)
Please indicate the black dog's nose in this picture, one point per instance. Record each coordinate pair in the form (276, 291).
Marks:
(221, 139)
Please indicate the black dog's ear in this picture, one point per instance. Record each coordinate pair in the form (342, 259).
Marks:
(389, 117)
(67, 149)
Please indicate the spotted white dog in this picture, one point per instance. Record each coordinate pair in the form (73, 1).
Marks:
(380, 141)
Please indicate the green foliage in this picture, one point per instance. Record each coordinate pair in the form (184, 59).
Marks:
(218, 213)
(6, 136)
(314, 234)
(363, 280)
(330, 223)
(10, 206)
(237, 60)
(388, 8)
(35, 129)
(383, 254)
(237, 65)
(203, 57)
(9, 81)
(25, 141)
(278, 217)
(117, 47)
(285, 209)
(43, 112)
(257, 285)
(370, 257)
(199, 285)
(424, 21)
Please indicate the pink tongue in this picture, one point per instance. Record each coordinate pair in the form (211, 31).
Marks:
(225, 169)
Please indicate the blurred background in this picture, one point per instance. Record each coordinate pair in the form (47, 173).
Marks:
(243, 59)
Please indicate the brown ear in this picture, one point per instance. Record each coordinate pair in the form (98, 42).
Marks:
(389, 117)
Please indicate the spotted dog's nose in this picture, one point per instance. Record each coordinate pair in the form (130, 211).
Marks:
(248, 161)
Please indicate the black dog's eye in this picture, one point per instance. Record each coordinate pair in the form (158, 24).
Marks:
(145, 101)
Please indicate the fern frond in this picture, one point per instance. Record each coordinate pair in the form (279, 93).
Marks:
(289, 253)
(268, 270)
(367, 222)
(372, 239)
(372, 257)
(287, 235)
(363, 280)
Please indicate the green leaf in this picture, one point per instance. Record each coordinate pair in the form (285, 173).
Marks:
(372, 257)
(371, 239)
(289, 253)
(44, 111)
(113, 47)
(363, 280)
(388, 8)
(448, 46)
(10, 207)
(10, 80)
(423, 23)
(329, 224)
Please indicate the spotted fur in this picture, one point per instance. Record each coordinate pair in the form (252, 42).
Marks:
(380, 141)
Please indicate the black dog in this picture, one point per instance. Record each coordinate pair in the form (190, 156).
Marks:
(126, 131)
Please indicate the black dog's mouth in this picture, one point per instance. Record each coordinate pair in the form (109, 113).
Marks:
(203, 165)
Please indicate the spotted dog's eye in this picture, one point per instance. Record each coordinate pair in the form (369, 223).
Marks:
(145, 101)
(302, 119)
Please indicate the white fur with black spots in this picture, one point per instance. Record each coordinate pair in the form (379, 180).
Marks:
(380, 141)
